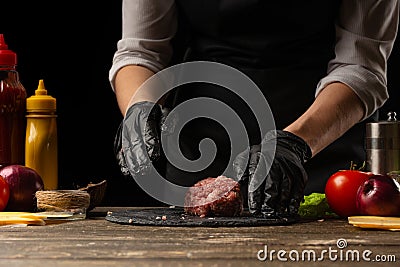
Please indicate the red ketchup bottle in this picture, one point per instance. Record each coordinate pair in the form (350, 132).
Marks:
(12, 109)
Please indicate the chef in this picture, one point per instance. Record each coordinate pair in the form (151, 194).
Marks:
(321, 65)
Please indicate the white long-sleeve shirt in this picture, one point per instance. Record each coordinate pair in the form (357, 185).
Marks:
(365, 35)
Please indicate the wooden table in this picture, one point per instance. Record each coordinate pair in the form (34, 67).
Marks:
(95, 241)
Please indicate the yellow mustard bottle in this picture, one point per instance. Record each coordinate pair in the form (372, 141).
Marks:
(41, 136)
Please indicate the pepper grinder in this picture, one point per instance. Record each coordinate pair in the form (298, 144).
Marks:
(383, 145)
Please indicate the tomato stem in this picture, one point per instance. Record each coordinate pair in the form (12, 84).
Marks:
(353, 166)
(362, 166)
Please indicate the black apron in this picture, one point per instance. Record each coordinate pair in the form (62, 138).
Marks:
(284, 47)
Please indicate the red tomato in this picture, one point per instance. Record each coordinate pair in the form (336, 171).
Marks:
(4, 193)
(341, 191)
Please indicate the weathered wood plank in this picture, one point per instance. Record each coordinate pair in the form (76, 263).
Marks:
(97, 242)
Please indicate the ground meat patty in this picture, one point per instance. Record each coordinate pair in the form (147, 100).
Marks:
(214, 197)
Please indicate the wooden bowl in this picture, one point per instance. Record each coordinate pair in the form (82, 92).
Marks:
(96, 192)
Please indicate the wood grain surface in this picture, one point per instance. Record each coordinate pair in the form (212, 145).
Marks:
(98, 242)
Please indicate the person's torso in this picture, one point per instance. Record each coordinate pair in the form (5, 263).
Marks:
(284, 47)
(260, 33)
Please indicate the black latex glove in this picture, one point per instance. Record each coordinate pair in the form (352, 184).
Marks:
(137, 143)
(276, 193)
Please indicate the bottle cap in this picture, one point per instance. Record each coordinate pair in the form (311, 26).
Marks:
(41, 101)
(7, 57)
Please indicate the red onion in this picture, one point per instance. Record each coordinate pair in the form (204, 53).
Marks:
(23, 183)
(379, 196)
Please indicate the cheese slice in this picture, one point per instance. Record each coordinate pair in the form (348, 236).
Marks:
(376, 222)
(32, 218)
(22, 214)
(28, 218)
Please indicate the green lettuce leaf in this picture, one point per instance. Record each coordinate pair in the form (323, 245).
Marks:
(315, 205)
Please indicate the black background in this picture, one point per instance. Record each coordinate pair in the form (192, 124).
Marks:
(70, 45)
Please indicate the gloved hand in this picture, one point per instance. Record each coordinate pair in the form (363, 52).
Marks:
(276, 193)
(137, 145)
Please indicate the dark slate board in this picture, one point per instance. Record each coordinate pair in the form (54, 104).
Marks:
(177, 217)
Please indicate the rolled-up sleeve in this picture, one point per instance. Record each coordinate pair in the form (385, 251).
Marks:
(147, 29)
(365, 35)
